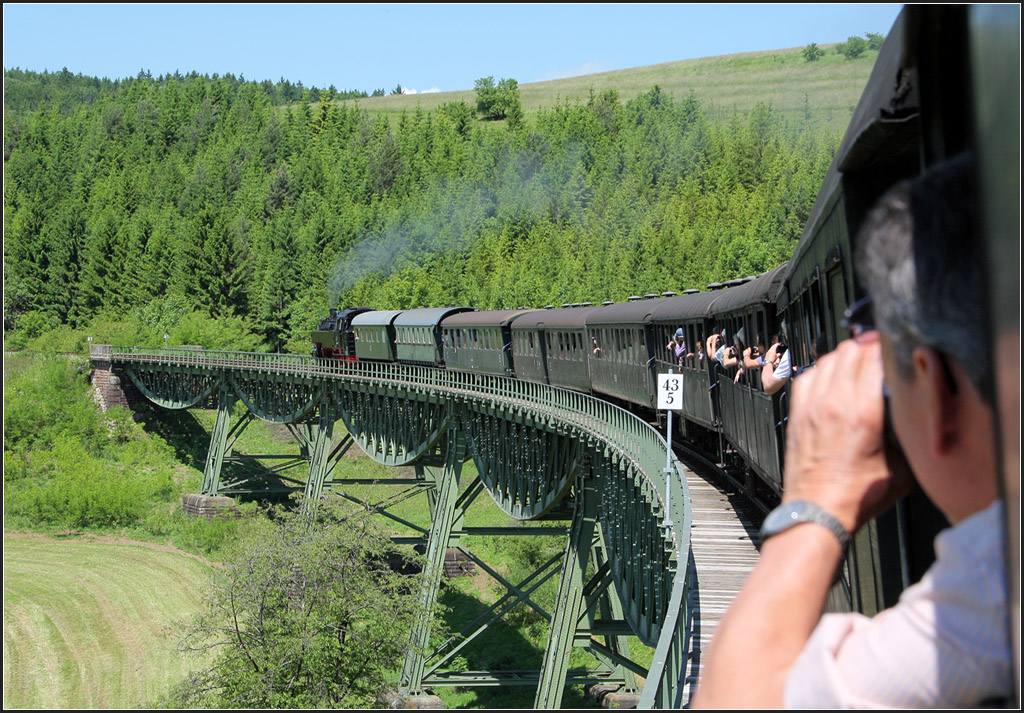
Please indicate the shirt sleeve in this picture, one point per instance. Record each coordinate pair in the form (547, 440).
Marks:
(943, 645)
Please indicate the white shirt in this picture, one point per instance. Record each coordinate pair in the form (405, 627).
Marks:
(945, 644)
(783, 370)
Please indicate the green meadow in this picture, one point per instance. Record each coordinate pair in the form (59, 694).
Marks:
(824, 92)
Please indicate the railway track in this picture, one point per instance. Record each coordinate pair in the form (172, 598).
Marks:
(724, 547)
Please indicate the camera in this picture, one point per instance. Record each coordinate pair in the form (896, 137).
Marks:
(781, 349)
(895, 458)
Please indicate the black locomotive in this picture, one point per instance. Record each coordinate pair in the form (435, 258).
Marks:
(917, 109)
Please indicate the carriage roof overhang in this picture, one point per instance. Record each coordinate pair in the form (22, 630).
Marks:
(573, 318)
(672, 309)
(487, 318)
(623, 313)
(427, 316)
(760, 290)
(376, 318)
(884, 118)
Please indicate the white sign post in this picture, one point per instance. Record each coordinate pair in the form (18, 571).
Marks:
(670, 398)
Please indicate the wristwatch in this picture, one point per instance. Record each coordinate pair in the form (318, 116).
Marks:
(787, 515)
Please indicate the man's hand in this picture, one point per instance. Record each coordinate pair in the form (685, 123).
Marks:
(835, 453)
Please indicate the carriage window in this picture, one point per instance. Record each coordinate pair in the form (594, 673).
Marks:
(837, 294)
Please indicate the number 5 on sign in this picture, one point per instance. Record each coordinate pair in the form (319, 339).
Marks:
(670, 392)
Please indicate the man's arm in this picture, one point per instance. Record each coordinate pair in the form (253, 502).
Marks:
(749, 360)
(769, 381)
(835, 459)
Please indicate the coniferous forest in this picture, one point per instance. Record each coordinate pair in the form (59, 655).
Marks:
(233, 213)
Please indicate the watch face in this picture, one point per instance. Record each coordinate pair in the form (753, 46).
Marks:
(780, 518)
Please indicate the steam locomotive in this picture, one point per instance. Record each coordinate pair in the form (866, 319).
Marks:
(917, 109)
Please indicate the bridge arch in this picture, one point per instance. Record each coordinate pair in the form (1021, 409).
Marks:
(172, 388)
(275, 397)
(394, 429)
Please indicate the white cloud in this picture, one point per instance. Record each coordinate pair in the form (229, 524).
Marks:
(407, 90)
(432, 90)
(590, 67)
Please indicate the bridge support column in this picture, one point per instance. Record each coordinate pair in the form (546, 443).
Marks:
(218, 442)
(319, 451)
(611, 610)
(569, 604)
(443, 517)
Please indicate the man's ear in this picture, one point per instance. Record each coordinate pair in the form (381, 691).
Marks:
(938, 398)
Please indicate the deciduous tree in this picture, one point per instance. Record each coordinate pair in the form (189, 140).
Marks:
(306, 615)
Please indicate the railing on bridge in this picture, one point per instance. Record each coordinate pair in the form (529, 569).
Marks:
(603, 425)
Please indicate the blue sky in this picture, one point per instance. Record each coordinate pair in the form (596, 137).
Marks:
(422, 47)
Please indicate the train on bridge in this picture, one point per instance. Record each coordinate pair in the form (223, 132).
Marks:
(919, 108)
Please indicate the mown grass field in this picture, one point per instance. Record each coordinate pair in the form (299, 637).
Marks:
(84, 621)
(823, 93)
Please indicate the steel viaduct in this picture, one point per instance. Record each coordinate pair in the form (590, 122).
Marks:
(541, 453)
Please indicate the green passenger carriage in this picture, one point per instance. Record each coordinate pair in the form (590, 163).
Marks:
(480, 341)
(418, 338)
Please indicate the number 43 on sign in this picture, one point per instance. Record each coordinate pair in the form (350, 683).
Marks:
(670, 392)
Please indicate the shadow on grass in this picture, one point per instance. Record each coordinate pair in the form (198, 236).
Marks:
(503, 647)
(190, 440)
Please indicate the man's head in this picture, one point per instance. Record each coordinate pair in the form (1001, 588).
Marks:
(920, 257)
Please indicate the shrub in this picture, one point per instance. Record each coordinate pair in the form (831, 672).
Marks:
(853, 48)
(74, 489)
(812, 53)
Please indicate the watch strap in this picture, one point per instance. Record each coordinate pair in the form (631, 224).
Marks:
(797, 512)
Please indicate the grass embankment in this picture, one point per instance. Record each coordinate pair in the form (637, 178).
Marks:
(823, 93)
(84, 621)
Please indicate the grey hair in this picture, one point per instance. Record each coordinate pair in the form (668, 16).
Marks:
(921, 258)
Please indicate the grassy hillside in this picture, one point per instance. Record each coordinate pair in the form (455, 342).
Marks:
(83, 621)
(827, 90)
